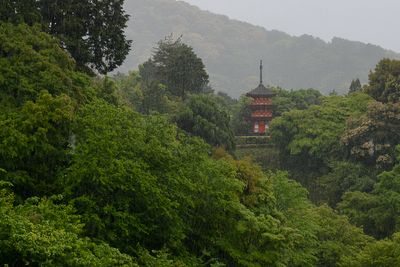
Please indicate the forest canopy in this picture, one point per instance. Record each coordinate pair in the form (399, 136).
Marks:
(131, 170)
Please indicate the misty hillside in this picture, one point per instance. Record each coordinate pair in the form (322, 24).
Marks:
(231, 49)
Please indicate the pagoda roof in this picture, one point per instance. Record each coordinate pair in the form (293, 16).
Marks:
(261, 91)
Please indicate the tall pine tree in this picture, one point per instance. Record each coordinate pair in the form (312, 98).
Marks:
(355, 86)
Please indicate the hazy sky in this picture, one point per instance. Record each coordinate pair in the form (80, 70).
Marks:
(369, 21)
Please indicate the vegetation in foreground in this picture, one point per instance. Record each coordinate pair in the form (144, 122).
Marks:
(130, 171)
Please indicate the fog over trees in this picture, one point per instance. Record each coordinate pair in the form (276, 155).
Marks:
(231, 49)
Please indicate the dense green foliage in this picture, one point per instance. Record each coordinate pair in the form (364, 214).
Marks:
(372, 138)
(42, 233)
(376, 211)
(175, 65)
(384, 81)
(122, 171)
(204, 117)
(310, 139)
(32, 61)
(344, 152)
(91, 31)
(232, 49)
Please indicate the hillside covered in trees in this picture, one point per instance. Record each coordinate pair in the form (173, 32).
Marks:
(232, 49)
(142, 169)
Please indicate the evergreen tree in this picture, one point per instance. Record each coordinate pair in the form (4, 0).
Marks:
(355, 86)
(177, 66)
(203, 116)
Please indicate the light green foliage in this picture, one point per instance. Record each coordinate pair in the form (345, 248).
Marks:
(383, 253)
(203, 116)
(257, 236)
(41, 233)
(384, 81)
(113, 179)
(292, 201)
(309, 139)
(129, 90)
(300, 99)
(31, 61)
(135, 183)
(144, 96)
(322, 237)
(107, 90)
(155, 99)
(34, 141)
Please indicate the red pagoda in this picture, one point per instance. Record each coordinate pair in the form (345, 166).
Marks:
(261, 107)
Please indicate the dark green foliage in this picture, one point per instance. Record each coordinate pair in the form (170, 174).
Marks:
(378, 212)
(91, 31)
(242, 112)
(265, 155)
(384, 81)
(372, 139)
(203, 116)
(20, 11)
(355, 86)
(175, 65)
(343, 177)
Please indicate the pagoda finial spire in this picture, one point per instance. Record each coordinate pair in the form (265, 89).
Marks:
(261, 72)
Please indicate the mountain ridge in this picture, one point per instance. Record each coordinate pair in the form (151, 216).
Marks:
(231, 49)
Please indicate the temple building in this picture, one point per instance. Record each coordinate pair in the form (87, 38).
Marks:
(261, 107)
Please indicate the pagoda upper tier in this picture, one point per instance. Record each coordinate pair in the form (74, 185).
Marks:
(261, 92)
